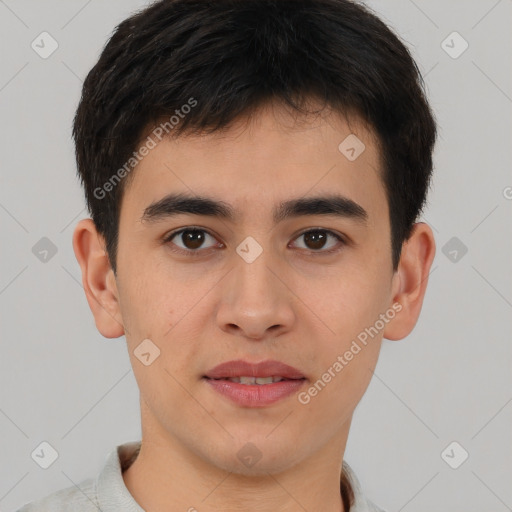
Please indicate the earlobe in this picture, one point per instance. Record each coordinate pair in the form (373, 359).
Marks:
(98, 279)
(410, 281)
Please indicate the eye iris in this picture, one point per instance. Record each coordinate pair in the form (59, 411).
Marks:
(192, 239)
(317, 238)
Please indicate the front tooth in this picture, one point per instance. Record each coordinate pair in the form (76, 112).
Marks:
(264, 380)
(255, 380)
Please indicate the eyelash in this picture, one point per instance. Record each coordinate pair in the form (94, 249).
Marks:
(200, 252)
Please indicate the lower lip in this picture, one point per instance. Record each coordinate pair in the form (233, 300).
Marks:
(255, 395)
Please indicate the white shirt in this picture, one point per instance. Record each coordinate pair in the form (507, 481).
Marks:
(108, 492)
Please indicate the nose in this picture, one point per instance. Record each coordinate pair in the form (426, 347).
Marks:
(256, 303)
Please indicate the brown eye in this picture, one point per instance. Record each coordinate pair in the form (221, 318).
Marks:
(317, 239)
(191, 239)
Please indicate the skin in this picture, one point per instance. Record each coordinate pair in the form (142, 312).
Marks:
(300, 307)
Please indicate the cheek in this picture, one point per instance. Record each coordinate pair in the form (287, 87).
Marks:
(146, 306)
(167, 314)
(345, 303)
(352, 310)
(342, 379)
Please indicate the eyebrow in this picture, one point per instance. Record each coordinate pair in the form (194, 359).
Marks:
(332, 204)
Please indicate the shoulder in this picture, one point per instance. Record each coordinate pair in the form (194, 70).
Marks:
(361, 503)
(373, 508)
(80, 498)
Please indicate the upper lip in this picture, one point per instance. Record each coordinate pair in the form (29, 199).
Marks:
(240, 368)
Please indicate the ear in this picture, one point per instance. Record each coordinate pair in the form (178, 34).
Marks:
(410, 280)
(98, 279)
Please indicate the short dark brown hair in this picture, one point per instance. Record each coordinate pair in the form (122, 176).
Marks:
(233, 56)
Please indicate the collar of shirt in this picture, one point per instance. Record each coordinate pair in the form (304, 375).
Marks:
(113, 495)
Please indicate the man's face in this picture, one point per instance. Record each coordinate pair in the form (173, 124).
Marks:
(302, 301)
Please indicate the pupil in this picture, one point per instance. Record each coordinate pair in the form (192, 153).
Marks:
(193, 239)
(317, 238)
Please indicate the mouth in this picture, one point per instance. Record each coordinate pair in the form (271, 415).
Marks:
(254, 385)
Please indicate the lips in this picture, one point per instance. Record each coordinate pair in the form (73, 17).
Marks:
(247, 372)
(255, 385)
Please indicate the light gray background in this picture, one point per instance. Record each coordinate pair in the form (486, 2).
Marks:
(62, 382)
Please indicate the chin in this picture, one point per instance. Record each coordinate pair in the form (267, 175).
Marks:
(256, 457)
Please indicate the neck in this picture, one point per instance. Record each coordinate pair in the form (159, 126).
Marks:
(168, 476)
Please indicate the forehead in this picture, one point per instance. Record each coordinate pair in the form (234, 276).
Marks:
(262, 160)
